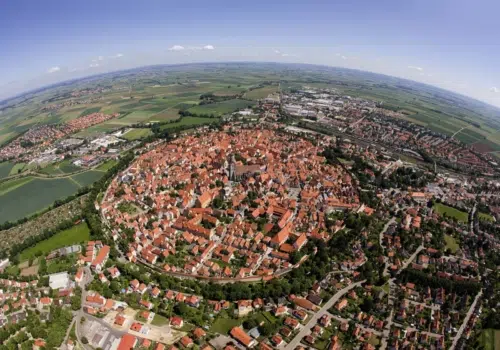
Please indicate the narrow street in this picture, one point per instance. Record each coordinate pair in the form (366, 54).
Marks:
(466, 321)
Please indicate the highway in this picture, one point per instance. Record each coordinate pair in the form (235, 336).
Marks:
(314, 319)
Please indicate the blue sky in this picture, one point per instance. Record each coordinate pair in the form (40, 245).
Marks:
(451, 44)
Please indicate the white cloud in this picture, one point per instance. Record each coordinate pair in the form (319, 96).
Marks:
(100, 58)
(118, 55)
(176, 48)
(93, 65)
(343, 57)
(420, 69)
(495, 89)
(208, 47)
(54, 69)
(277, 51)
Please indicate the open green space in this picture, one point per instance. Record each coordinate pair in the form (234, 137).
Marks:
(18, 168)
(160, 320)
(485, 217)
(33, 195)
(88, 177)
(220, 108)
(451, 212)
(13, 184)
(107, 165)
(5, 169)
(136, 134)
(260, 93)
(223, 325)
(77, 234)
(451, 243)
(490, 339)
(190, 121)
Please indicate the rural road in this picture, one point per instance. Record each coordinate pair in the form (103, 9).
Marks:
(466, 320)
(314, 319)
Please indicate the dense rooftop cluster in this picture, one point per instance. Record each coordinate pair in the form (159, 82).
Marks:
(226, 204)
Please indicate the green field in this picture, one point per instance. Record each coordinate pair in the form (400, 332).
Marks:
(190, 121)
(160, 320)
(13, 184)
(5, 169)
(16, 169)
(107, 165)
(88, 177)
(136, 134)
(485, 217)
(221, 108)
(32, 195)
(490, 339)
(261, 93)
(223, 325)
(77, 234)
(451, 212)
(451, 243)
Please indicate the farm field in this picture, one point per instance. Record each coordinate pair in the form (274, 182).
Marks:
(136, 134)
(17, 168)
(107, 165)
(19, 201)
(451, 212)
(221, 108)
(5, 169)
(88, 177)
(490, 339)
(190, 121)
(74, 235)
(260, 93)
(47, 221)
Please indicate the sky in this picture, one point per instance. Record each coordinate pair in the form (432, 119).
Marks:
(452, 44)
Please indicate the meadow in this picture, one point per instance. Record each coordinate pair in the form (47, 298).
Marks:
(451, 212)
(221, 108)
(260, 93)
(74, 235)
(136, 134)
(28, 195)
(190, 121)
(32, 196)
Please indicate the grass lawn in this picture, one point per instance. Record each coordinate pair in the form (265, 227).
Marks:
(16, 169)
(485, 217)
(159, 320)
(490, 339)
(451, 243)
(135, 134)
(76, 234)
(224, 325)
(107, 165)
(451, 212)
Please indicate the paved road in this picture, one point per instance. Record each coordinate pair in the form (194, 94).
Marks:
(314, 319)
(466, 320)
(411, 258)
(381, 239)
